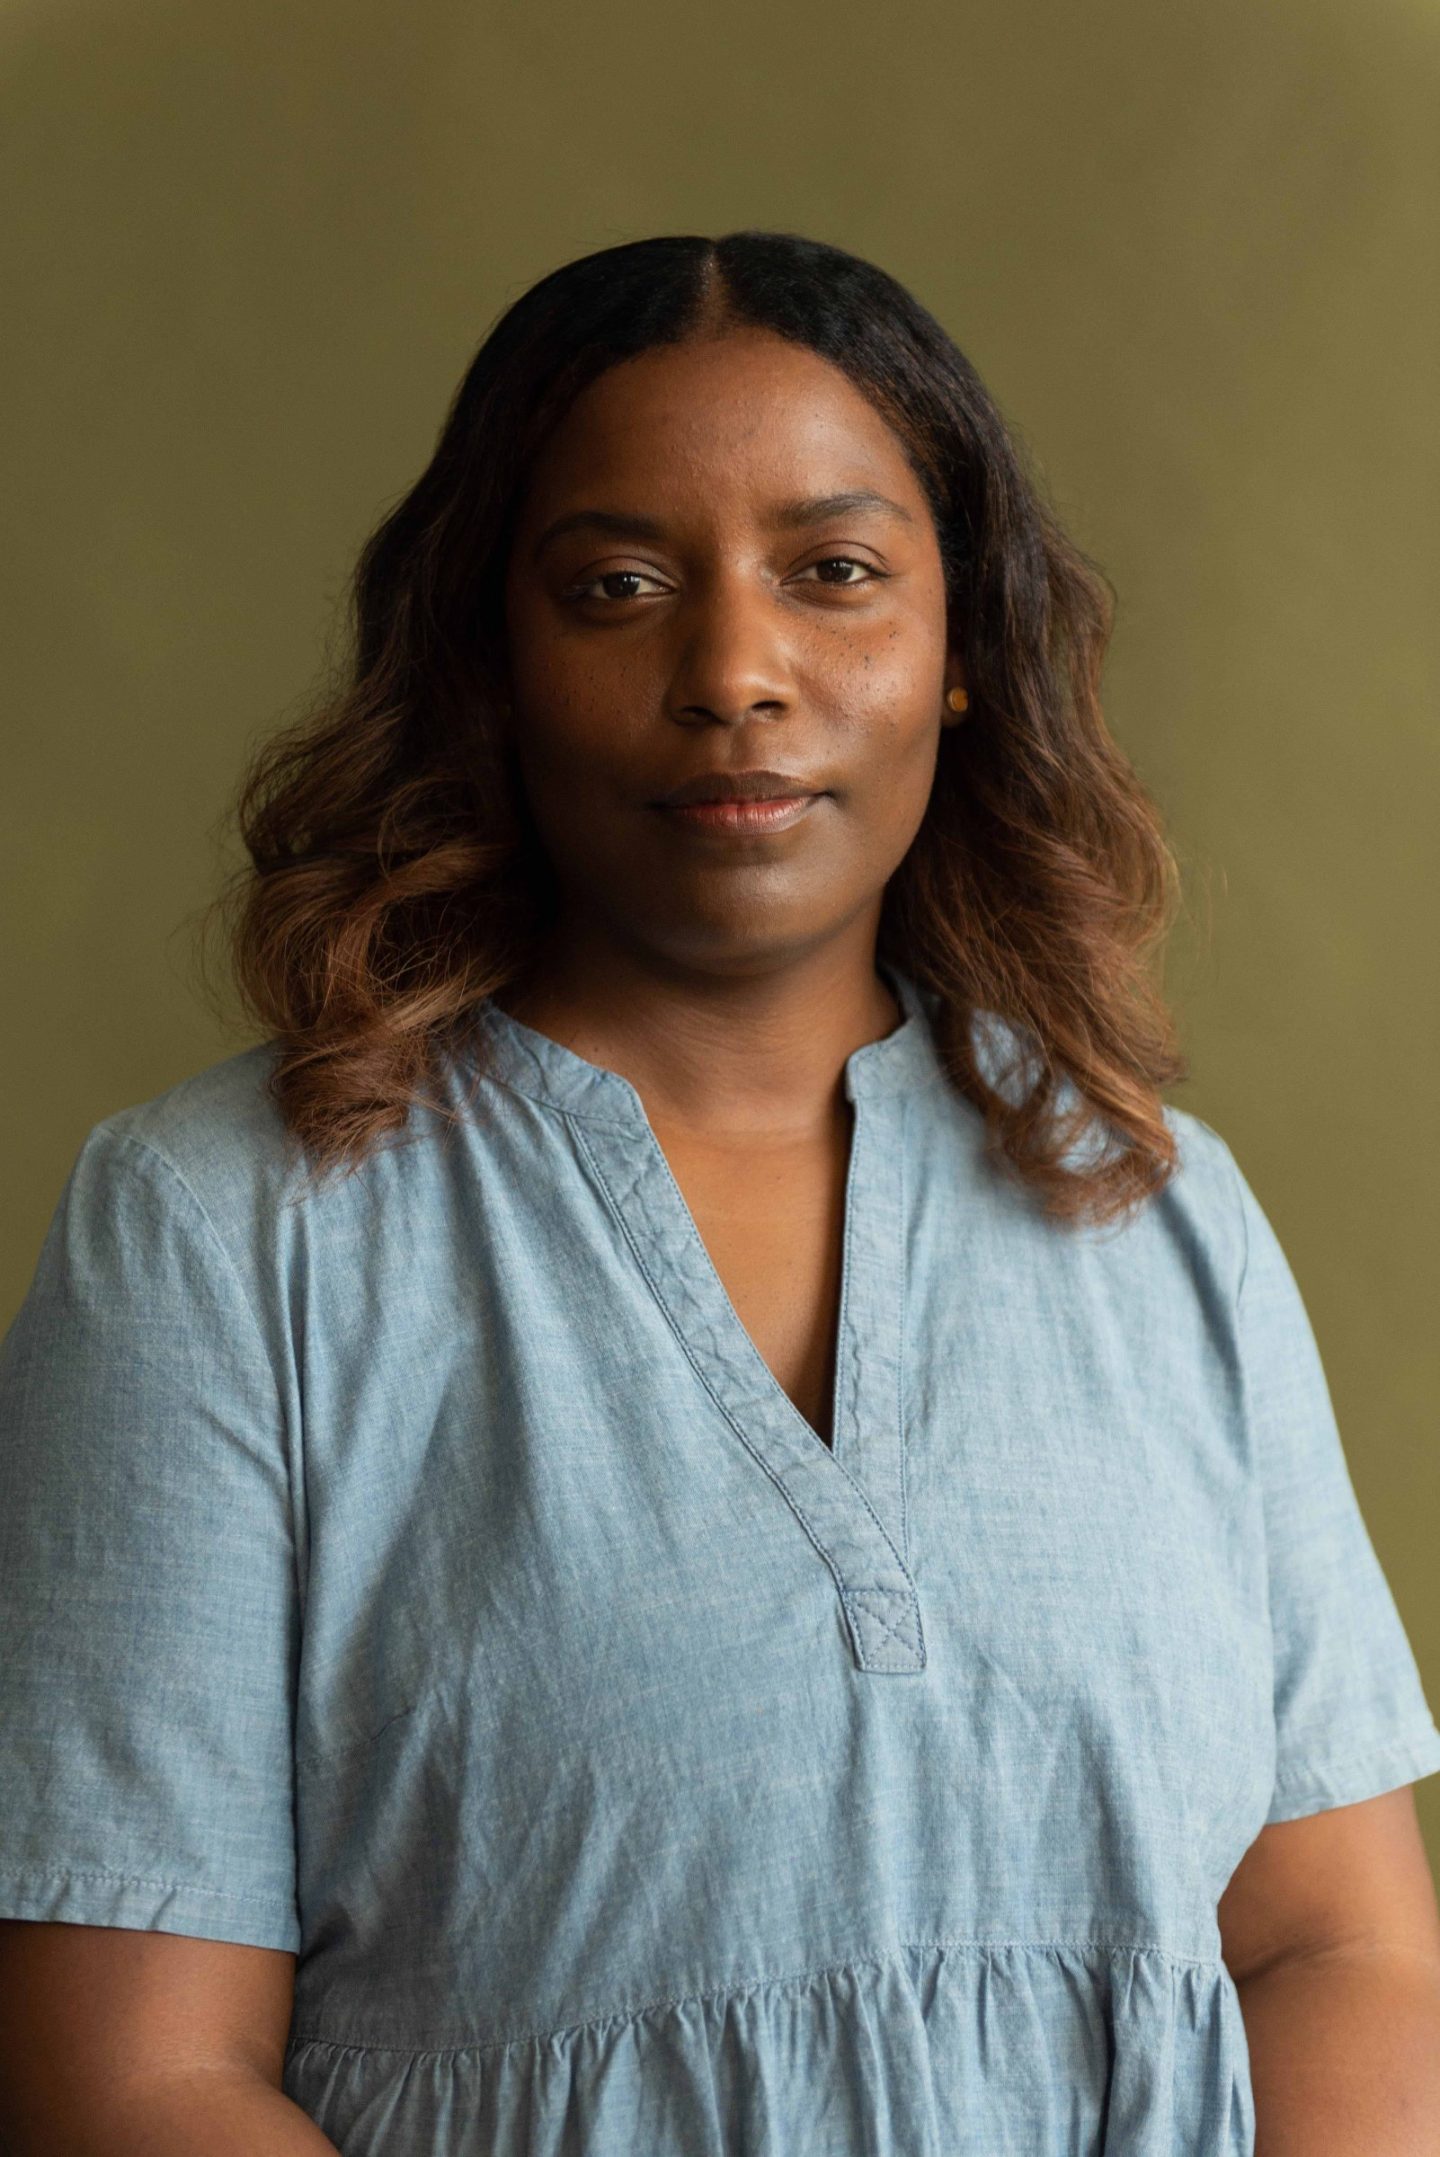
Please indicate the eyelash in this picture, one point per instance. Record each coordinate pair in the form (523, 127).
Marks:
(584, 591)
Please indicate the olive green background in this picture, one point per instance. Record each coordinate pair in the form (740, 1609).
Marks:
(1192, 250)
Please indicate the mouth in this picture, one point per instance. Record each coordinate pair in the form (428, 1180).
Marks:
(741, 801)
(770, 812)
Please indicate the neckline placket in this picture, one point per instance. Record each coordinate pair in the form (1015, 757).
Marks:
(849, 1496)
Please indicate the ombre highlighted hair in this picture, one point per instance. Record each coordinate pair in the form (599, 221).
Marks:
(395, 878)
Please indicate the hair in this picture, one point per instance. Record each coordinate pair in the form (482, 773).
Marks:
(395, 878)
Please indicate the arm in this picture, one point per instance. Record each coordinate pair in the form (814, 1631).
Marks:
(118, 2043)
(1332, 1935)
(224, 2112)
(1345, 2054)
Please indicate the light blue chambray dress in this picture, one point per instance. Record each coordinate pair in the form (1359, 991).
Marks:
(427, 1576)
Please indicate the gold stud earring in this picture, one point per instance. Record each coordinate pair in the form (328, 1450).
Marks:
(958, 699)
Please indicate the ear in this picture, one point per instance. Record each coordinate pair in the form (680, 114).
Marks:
(954, 679)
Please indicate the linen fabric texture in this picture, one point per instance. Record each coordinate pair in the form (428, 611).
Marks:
(425, 1575)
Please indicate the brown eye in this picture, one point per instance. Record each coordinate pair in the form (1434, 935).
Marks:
(845, 561)
(609, 577)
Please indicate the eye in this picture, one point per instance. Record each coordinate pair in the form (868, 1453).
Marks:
(845, 561)
(612, 576)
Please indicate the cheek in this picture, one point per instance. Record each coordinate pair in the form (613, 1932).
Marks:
(567, 725)
(890, 729)
(576, 720)
(883, 682)
(896, 790)
(574, 787)
(576, 767)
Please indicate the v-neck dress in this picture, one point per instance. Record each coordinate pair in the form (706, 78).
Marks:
(424, 1574)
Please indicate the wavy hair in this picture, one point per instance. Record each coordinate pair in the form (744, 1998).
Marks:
(395, 878)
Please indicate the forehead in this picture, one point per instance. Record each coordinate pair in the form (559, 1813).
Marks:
(745, 415)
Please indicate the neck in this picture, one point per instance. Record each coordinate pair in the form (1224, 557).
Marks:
(724, 1054)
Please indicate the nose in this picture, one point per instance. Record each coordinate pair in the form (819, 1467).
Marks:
(731, 663)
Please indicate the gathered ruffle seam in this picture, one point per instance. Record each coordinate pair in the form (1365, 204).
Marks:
(1209, 1965)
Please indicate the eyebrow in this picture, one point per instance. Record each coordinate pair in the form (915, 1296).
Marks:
(787, 516)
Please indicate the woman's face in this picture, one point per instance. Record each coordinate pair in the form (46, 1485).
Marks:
(681, 600)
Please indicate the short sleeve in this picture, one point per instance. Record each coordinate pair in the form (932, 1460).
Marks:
(1351, 1717)
(148, 1603)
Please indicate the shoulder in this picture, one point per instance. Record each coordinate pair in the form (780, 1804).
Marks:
(1202, 1207)
(1206, 1172)
(1198, 1218)
(216, 1132)
(214, 1148)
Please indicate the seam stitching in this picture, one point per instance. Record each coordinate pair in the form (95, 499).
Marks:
(1313, 1778)
(134, 1879)
(880, 1958)
(810, 1529)
(858, 1594)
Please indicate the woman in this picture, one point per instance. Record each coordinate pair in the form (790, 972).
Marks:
(749, 1585)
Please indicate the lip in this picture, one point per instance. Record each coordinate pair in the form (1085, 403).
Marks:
(774, 812)
(730, 786)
